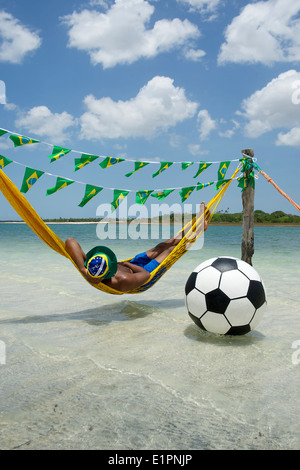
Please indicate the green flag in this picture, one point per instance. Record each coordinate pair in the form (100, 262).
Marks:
(220, 184)
(222, 170)
(21, 140)
(30, 177)
(2, 132)
(60, 183)
(204, 185)
(161, 195)
(163, 167)
(119, 196)
(142, 196)
(246, 181)
(110, 161)
(137, 166)
(185, 165)
(186, 192)
(57, 153)
(90, 192)
(202, 166)
(4, 161)
(84, 160)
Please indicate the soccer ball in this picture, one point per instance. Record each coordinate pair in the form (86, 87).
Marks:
(226, 296)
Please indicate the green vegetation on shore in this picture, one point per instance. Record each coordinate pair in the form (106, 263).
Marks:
(220, 217)
(277, 217)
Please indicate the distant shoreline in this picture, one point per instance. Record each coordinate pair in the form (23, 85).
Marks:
(213, 224)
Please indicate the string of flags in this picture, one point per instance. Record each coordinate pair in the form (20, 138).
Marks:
(32, 175)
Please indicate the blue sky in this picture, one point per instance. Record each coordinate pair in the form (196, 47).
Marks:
(181, 80)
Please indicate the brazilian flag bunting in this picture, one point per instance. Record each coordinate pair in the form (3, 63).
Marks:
(203, 185)
(57, 153)
(137, 166)
(30, 177)
(142, 196)
(185, 165)
(90, 192)
(223, 170)
(161, 195)
(2, 132)
(4, 161)
(85, 159)
(163, 167)
(119, 196)
(110, 161)
(220, 184)
(60, 183)
(202, 166)
(21, 140)
(186, 192)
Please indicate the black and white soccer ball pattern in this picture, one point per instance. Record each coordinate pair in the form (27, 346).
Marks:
(226, 296)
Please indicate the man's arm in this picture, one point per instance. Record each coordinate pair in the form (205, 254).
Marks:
(124, 281)
(79, 257)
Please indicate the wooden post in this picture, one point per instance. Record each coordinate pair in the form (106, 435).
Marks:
(248, 216)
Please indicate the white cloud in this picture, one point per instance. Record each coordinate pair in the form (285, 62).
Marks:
(42, 122)
(120, 36)
(158, 106)
(16, 40)
(203, 6)
(291, 138)
(273, 107)
(206, 124)
(194, 54)
(265, 32)
(195, 150)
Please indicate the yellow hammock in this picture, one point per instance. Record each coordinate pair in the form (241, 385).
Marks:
(191, 231)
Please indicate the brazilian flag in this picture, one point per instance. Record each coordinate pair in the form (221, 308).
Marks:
(161, 195)
(30, 177)
(19, 140)
(57, 153)
(204, 185)
(223, 170)
(2, 132)
(137, 166)
(220, 184)
(119, 196)
(110, 161)
(163, 167)
(60, 183)
(185, 165)
(84, 160)
(202, 166)
(142, 196)
(90, 192)
(4, 161)
(186, 192)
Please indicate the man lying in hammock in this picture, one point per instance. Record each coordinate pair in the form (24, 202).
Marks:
(100, 264)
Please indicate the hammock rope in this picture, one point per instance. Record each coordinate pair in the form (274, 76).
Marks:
(269, 179)
(189, 234)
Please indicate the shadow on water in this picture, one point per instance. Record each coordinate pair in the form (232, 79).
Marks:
(195, 333)
(104, 314)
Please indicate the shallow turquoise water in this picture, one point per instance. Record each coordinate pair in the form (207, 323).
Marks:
(86, 370)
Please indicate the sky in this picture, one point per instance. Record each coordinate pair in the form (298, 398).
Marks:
(180, 81)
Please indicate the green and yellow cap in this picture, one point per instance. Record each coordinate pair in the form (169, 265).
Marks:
(101, 262)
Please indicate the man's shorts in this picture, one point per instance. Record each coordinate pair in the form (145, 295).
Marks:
(145, 262)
